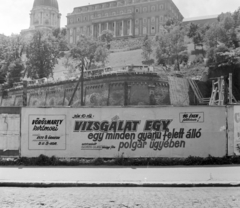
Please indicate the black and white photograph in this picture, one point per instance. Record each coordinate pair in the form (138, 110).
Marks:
(120, 104)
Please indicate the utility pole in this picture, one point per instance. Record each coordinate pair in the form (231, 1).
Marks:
(82, 82)
(81, 79)
(24, 93)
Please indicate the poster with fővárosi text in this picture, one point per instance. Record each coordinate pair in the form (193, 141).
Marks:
(124, 132)
(46, 132)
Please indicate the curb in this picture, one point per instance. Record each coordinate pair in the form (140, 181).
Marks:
(51, 184)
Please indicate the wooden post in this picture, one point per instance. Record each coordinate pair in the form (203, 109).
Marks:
(230, 95)
(222, 90)
(219, 90)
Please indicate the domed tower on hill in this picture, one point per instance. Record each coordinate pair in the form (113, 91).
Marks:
(44, 15)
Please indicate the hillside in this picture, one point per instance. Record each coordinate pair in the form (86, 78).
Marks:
(125, 55)
(125, 58)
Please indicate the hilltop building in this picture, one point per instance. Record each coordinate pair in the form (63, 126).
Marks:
(125, 18)
(201, 20)
(44, 15)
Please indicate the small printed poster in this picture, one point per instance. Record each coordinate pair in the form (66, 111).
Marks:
(47, 132)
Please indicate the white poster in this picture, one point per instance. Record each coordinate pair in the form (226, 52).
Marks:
(127, 132)
(236, 118)
(46, 132)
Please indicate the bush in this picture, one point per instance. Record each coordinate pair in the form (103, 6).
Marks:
(43, 160)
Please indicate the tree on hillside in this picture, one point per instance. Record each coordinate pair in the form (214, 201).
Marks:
(216, 35)
(171, 47)
(147, 48)
(107, 37)
(61, 38)
(192, 30)
(4, 40)
(223, 56)
(42, 54)
(196, 33)
(12, 66)
(89, 49)
(15, 71)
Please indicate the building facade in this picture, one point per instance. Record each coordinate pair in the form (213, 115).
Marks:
(125, 18)
(44, 15)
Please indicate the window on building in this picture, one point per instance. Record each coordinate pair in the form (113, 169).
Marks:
(153, 8)
(137, 10)
(161, 18)
(152, 19)
(161, 7)
(144, 30)
(136, 21)
(144, 20)
(144, 9)
(136, 31)
(153, 30)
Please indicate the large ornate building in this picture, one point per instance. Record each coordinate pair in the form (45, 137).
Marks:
(125, 18)
(44, 15)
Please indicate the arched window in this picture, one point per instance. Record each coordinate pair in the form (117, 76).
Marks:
(153, 8)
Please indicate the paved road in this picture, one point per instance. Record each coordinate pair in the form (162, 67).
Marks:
(119, 197)
(121, 174)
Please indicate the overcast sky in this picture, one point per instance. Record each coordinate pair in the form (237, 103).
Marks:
(14, 14)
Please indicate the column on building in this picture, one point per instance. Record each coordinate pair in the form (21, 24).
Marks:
(68, 35)
(115, 29)
(122, 28)
(31, 19)
(157, 25)
(149, 26)
(100, 29)
(52, 21)
(92, 28)
(41, 18)
(59, 20)
(74, 35)
(140, 27)
(107, 26)
(130, 27)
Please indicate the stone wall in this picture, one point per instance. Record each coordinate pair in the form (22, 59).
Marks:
(110, 90)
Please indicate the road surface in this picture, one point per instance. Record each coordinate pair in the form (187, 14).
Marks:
(208, 197)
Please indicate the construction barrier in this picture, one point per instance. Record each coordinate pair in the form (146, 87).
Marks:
(9, 131)
(233, 130)
(128, 132)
